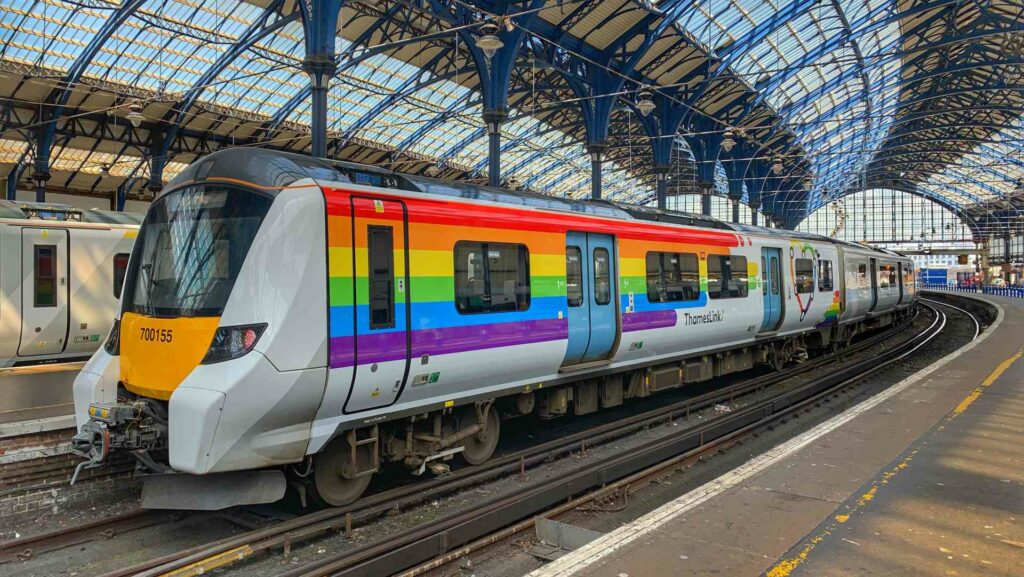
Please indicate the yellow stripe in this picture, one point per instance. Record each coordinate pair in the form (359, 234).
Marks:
(991, 378)
(431, 263)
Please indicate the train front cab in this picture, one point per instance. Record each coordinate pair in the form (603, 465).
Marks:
(217, 362)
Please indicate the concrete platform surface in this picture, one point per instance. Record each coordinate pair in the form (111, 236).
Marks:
(925, 478)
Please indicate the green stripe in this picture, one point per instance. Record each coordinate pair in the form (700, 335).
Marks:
(433, 289)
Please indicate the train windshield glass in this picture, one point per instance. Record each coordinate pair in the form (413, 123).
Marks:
(190, 250)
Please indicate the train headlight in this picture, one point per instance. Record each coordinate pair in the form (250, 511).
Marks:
(233, 342)
(113, 344)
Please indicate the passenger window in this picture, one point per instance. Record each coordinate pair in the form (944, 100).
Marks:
(862, 276)
(886, 276)
(764, 277)
(491, 277)
(775, 275)
(574, 275)
(804, 268)
(120, 270)
(727, 276)
(672, 277)
(45, 293)
(380, 257)
(602, 277)
(825, 275)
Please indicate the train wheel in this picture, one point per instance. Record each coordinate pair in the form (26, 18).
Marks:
(338, 480)
(480, 447)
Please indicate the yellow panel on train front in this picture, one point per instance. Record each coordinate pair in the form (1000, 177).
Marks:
(158, 353)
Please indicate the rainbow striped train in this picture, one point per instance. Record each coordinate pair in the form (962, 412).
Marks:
(289, 320)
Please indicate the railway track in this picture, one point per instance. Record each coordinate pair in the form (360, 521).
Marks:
(418, 545)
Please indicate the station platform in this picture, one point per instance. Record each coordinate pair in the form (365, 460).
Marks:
(924, 478)
(37, 398)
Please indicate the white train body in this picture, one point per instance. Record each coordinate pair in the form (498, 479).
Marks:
(58, 280)
(317, 310)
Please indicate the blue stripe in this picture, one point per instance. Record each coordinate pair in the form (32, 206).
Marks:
(441, 315)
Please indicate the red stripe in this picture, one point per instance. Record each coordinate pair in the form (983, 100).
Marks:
(445, 212)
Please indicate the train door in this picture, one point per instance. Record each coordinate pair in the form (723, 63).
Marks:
(874, 285)
(590, 280)
(381, 305)
(44, 291)
(771, 288)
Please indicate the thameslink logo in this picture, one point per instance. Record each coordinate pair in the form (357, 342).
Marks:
(708, 317)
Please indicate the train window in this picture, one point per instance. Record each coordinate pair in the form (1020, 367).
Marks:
(862, 276)
(380, 253)
(886, 276)
(602, 277)
(574, 275)
(775, 275)
(45, 285)
(825, 275)
(764, 277)
(120, 270)
(804, 268)
(491, 277)
(727, 276)
(672, 276)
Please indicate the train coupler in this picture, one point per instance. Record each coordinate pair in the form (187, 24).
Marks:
(134, 426)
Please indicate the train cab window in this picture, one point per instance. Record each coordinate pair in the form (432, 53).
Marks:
(672, 276)
(825, 283)
(45, 283)
(804, 268)
(380, 252)
(574, 275)
(727, 276)
(602, 277)
(491, 277)
(120, 270)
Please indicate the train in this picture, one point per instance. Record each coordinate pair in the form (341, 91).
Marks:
(61, 270)
(292, 321)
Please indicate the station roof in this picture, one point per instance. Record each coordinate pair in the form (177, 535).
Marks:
(921, 95)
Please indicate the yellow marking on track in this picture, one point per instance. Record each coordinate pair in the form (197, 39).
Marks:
(991, 378)
(842, 518)
(212, 562)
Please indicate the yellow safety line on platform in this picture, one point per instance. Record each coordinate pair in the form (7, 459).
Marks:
(786, 566)
(991, 378)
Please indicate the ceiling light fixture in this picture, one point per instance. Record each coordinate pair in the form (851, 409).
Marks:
(488, 40)
(135, 113)
(645, 102)
(728, 140)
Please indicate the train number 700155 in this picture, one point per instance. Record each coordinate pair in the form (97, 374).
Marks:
(157, 335)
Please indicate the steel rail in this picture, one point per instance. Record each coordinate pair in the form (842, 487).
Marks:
(218, 554)
(421, 543)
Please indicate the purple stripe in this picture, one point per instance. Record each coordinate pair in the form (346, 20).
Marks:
(648, 320)
(382, 347)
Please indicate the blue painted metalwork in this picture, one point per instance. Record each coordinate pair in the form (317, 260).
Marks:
(320, 23)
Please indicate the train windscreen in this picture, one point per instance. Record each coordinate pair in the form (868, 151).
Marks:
(190, 249)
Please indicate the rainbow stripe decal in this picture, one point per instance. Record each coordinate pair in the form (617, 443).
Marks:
(434, 226)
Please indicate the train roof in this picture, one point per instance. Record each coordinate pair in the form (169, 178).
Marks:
(54, 211)
(273, 170)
